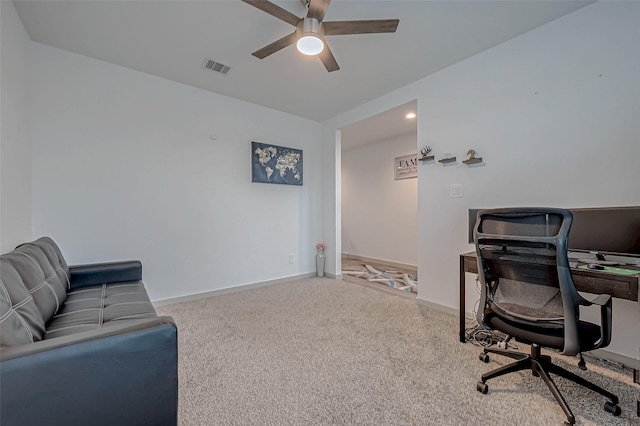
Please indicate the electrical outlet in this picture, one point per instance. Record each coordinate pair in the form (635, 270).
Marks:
(292, 258)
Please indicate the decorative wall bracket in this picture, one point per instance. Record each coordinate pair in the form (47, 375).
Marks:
(447, 158)
(471, 158)
(425, 154)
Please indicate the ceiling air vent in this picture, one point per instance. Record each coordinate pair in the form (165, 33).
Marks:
(216, 66)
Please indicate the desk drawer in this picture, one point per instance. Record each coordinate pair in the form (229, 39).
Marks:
(622, 287)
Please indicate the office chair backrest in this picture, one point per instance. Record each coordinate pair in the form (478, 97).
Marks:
(524, 269)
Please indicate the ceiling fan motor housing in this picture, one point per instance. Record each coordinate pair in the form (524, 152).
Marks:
(310, 26)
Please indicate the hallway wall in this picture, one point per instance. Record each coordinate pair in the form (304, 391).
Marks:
(379, 213)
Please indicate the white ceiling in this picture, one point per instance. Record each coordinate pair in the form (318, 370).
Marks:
(383, 126)
(171, 39)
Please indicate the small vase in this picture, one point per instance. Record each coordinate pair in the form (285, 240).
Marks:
(320, 263)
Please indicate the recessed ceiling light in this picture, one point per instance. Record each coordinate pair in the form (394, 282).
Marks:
(411, 115)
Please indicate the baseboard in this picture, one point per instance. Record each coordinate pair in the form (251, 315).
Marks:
(620, 359)
(227, 290)
(381, 262)
(436, 306)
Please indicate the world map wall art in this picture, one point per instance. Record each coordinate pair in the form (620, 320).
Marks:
(275, 164)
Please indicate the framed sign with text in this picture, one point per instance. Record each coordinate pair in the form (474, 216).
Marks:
(406, 167)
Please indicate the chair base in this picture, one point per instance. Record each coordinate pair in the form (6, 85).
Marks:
(541, 366)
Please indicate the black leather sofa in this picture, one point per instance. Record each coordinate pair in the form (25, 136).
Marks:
(82, 345)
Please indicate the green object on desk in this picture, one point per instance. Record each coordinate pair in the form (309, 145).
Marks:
(613, 270)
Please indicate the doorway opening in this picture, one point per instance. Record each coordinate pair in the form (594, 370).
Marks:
(379, 206)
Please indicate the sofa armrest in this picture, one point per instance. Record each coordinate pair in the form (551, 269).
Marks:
(101, 273)
(120, 375)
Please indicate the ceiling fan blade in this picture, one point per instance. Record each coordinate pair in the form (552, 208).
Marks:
(275, 46)
(317, 9)
(327, 59)
(274, 10)
(361, 27)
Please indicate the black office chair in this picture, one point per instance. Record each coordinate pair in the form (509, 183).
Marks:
(527, 293)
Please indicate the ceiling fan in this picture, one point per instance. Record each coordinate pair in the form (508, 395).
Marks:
(310, 30)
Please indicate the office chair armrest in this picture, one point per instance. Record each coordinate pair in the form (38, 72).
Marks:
(604, 301)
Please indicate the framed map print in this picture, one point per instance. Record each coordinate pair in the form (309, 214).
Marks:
(275, 164)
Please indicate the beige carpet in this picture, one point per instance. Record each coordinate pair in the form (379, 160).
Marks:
(327, 352)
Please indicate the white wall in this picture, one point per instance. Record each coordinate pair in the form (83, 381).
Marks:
(15, 133)
(379, 213)
(554, 113)
(124, 167)
(331, 206)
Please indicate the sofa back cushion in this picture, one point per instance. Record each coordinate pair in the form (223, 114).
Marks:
(44, 273)
(20, 319)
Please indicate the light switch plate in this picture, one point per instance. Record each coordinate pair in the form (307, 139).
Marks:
(455, 190)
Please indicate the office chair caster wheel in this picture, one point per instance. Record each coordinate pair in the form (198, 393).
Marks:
(484, 357)
(612, 408)
(482, 387)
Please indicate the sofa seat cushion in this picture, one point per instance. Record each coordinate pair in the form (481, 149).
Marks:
(100, 306)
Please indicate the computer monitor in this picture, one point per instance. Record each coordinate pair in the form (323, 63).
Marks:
(608, 230)
(605, 230)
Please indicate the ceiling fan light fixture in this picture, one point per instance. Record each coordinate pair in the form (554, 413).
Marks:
(311, 30)
(310, 45)
(309, 39)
